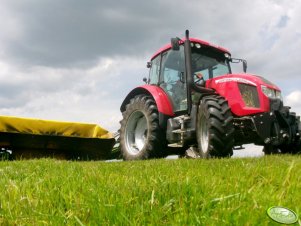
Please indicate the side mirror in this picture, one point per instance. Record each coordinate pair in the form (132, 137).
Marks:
(149, 64)
(175, 44)
(244, 65)
(145, 80)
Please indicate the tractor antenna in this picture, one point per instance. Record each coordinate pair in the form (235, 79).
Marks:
(187, 34)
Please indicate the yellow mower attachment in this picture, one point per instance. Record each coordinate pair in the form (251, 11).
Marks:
(32, 138)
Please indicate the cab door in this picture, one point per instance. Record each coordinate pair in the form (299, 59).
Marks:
(173, 79)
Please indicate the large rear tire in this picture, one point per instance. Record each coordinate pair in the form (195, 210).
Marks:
(140, 135)
(215, 131)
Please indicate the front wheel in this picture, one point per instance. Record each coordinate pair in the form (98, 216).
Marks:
(270, 150)
(140, 135)
(215, 132)
(294, 145)
(294, 148)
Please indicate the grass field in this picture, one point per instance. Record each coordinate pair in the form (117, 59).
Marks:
(155, 192)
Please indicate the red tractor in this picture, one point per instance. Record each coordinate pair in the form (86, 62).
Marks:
(192, 99)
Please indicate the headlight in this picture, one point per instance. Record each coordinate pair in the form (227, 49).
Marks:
(278, 95)
(268, 92)
(271, 93)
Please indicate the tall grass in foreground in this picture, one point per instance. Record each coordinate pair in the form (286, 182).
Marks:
(156, 192)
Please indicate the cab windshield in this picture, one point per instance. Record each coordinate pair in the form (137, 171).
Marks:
(208, 62)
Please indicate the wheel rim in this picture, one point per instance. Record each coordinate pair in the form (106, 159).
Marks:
(136, 132)
(204, 134)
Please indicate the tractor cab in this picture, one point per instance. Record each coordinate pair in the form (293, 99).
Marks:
(168, 71)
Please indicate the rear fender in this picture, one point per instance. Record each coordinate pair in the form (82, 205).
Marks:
(162, 101)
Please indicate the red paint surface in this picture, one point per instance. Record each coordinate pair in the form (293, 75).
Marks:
(231, 92)
(161, 98)
(194, 40)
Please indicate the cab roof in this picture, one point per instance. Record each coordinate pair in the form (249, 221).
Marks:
(194, 40)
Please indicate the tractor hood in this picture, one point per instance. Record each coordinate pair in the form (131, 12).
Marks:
(250, 79)
(247, 94)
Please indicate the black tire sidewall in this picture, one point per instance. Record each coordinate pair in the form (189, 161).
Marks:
(218, 117)
(202, 113)
(153, 143)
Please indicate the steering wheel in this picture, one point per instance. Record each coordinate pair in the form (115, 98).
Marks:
(199, 79)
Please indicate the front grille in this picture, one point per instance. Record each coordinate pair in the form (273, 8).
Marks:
(249, 95)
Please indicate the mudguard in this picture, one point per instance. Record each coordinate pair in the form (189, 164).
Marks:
(163, 103)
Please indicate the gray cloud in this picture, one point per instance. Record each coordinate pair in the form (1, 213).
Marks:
(56, 33)
(86, 94)
(68, 59)
(64, 34)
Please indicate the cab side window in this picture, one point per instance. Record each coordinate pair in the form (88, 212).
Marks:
(155, 71)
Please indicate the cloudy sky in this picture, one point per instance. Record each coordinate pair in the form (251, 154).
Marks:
(76, 60)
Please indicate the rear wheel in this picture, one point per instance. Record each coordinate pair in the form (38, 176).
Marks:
(215, 132)
(140, 135)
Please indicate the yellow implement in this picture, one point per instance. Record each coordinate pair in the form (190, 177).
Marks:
(28, 138)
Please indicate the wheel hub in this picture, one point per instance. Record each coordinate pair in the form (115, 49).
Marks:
(203, 134)
(136, 132)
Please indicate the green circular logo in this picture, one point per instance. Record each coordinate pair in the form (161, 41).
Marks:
(282, 215)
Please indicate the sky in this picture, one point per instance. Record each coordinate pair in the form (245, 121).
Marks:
(76, 60)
